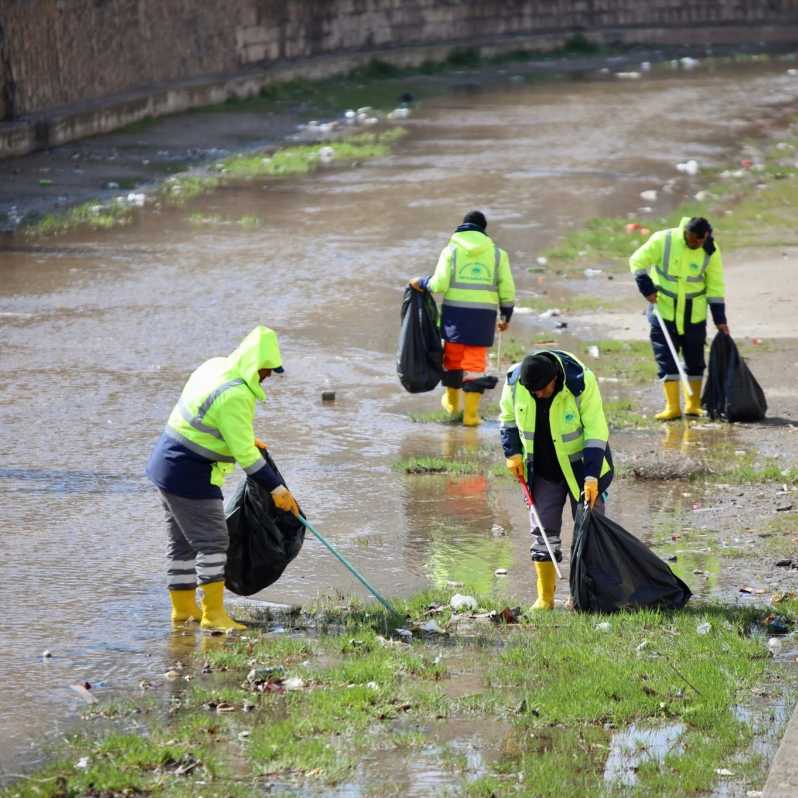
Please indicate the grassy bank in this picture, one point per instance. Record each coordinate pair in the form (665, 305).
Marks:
(547, 702)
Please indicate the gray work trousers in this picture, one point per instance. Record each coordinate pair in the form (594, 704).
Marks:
(197, 541)
(550, 502)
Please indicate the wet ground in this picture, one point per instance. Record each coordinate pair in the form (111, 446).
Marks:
(101, 330)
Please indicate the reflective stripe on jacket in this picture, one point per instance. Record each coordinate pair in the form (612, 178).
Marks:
(578, 425)
(685, 279)
(213, 417)
(474, 276)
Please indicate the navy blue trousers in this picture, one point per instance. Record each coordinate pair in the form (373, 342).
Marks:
(690, 345)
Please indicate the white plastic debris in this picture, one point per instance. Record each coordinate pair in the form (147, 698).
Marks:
(350, 114)
(294, 683)
(547, 314)
(774, 645)
(136, 199)
(688, 167)
(704, 628)
(593, 351)
(645, 66)
(792, 72)
(82, 763)
(649, 196)
(542, 261)
(500, 572)
(701, 196)
(689, 63)
(458, 602)
(604, 626)
(399, 113)
(724, 772)
(46, 654)
(592, 272)
(628, 75)
(326, 154)
(642, 647)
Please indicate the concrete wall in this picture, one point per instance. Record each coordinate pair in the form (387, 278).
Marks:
(60, 53)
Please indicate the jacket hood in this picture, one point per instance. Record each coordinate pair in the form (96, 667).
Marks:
(683, 222)
(259, 350)
(472, 241)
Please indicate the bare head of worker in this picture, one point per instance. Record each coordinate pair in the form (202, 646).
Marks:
(539, 376)
(476, 219)
(696, 232)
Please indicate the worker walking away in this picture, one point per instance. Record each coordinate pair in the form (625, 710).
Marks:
(474, 276)
(680, 271)
(208, 431)
(555, 436)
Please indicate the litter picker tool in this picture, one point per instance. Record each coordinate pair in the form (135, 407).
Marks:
(682, 375)
(535, 521)
(340, 557)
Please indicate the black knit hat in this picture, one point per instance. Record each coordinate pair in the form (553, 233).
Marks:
(537, 371)
(477, 218)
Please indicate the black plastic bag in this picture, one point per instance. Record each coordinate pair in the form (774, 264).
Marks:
(263, 538)
(419, 362)
(731, 392)
(613, 570)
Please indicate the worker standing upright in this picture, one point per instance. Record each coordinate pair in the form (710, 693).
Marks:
(208, 431)
(555, 436)
(474, 276)
(680, 271)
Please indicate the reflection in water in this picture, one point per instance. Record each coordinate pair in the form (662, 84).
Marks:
(634, 746)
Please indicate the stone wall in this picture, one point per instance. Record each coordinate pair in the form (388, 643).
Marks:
(59, 53)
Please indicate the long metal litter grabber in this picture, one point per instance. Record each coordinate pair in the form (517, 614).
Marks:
(682, 375)
(535, 518)
(340, 557)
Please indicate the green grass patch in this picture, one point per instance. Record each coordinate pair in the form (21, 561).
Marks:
(556, 686)
(630, 361)
(749, 470)
(91, 215)
(577, 303)
(439, 465)
(621, 414)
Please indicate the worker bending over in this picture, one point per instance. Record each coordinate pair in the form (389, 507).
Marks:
(209, 430)
(555, 436)
(680, 271)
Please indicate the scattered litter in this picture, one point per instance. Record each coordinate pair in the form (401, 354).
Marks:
(774, 645)
(561, 325)
(500, 572)
(46, 654)
(645, 66)
(506, 615)
(82, 763)
(431, 628)
(170, 676)
(523, 311)
(649, 196)
(704, 628)
(84, 691)
(257, 675)
(689, 63)
(294, 683)
(604, 626)
(136, 199)
(783, 508)
(702, 196)
(328, 396)
(632, 227)
(593, 351)
(112, 185)
(242, 735)
(792, 72)
(779, 564)
(459, 602)
(547, 314)
(399, 113)
(642, 647)
(405, 635)
(628, 75)
(777, 624)
(497, 531)
(688, 167)
(326, 154)
(592, 272)
(724, 772)
(450, 583)
(542, 261)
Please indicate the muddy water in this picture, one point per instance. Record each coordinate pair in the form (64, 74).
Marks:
(100, 331)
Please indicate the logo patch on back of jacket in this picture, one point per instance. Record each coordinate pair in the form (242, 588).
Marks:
(474, 272)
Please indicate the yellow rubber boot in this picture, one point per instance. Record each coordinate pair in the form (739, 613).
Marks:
(693, 403)
(450, 401)
(547, 584)
(184, 606)
(214, 616)
(471, 416)
(672, 406)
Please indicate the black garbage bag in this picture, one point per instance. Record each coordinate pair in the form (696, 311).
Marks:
(731, 392)
(613, 570)
(419, 361)
(263, 538)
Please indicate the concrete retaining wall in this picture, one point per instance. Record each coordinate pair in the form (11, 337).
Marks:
(77, 67)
